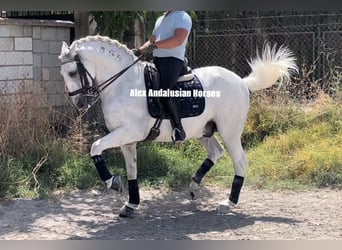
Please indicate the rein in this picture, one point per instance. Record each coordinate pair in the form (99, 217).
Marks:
(106, 83)
(95, 89)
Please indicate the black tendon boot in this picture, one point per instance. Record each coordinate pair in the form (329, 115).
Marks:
(111, 181)
(236, 188)
(179, 133)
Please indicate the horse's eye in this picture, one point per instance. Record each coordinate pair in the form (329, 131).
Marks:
(72, 73)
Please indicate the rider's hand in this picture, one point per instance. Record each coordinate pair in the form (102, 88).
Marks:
(150, 48)
(136, 52)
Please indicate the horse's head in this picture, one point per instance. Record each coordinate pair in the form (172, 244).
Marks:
(87, 66)
(78, 76)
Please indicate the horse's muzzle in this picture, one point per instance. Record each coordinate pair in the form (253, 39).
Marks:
(81, 102)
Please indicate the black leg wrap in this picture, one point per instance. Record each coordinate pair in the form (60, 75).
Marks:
(133, 192)
(101, 167)
(236, 188)
(204, 168)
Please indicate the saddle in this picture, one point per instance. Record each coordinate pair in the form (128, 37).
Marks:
(187, 91)
(189, 102)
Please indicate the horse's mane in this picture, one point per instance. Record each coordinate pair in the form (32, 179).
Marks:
(104, 39)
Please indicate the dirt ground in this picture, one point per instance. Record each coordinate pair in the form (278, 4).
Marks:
(166, 214)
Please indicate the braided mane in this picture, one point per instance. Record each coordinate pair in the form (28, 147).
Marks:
(102, 39)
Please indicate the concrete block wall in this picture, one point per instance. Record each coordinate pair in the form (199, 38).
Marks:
(29, 65)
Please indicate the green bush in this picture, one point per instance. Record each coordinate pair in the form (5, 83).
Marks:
(310, 155)
(167, 164)
(270, 117)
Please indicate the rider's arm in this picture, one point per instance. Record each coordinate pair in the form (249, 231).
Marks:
(169, 43)
(174, 41)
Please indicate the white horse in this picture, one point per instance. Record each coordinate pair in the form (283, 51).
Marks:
(89, 64)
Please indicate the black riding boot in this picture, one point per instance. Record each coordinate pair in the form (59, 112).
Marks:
(175, 121)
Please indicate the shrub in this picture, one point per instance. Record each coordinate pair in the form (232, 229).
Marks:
(311, 154)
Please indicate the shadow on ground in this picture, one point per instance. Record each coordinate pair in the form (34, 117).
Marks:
(90, 215)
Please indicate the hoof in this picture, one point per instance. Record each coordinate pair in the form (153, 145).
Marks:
(126, 212)
(193, 190)
(225, 207)
(117, 184)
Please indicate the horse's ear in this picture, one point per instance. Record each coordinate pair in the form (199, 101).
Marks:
(65, 48)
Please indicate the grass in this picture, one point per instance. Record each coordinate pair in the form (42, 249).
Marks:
(310, 154)
(301, 155)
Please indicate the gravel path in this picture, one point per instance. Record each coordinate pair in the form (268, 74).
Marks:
(166, 214)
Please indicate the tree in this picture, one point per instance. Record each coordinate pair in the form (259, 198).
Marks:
(81, 24)
(129, 27)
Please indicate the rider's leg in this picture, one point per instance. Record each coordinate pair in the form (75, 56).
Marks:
(171, 106)
(169, 69)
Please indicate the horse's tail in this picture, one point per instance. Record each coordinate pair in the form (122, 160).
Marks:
(272, 65)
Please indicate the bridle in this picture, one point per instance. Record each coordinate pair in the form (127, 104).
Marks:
(94, 89)
(83, 72)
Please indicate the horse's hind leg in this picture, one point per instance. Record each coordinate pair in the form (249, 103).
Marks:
(130, 155)
(215, 152)
(240, 162)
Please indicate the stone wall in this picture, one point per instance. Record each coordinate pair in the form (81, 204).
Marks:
(29, 64)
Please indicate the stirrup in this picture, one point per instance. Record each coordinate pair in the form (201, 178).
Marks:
(181, 134)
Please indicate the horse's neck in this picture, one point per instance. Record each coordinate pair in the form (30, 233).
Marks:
(131, 79)
(107, 65)
(117, 97)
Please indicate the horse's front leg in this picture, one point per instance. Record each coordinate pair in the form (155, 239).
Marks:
(124, 138)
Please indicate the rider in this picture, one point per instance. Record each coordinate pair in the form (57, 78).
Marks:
(168, 43)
